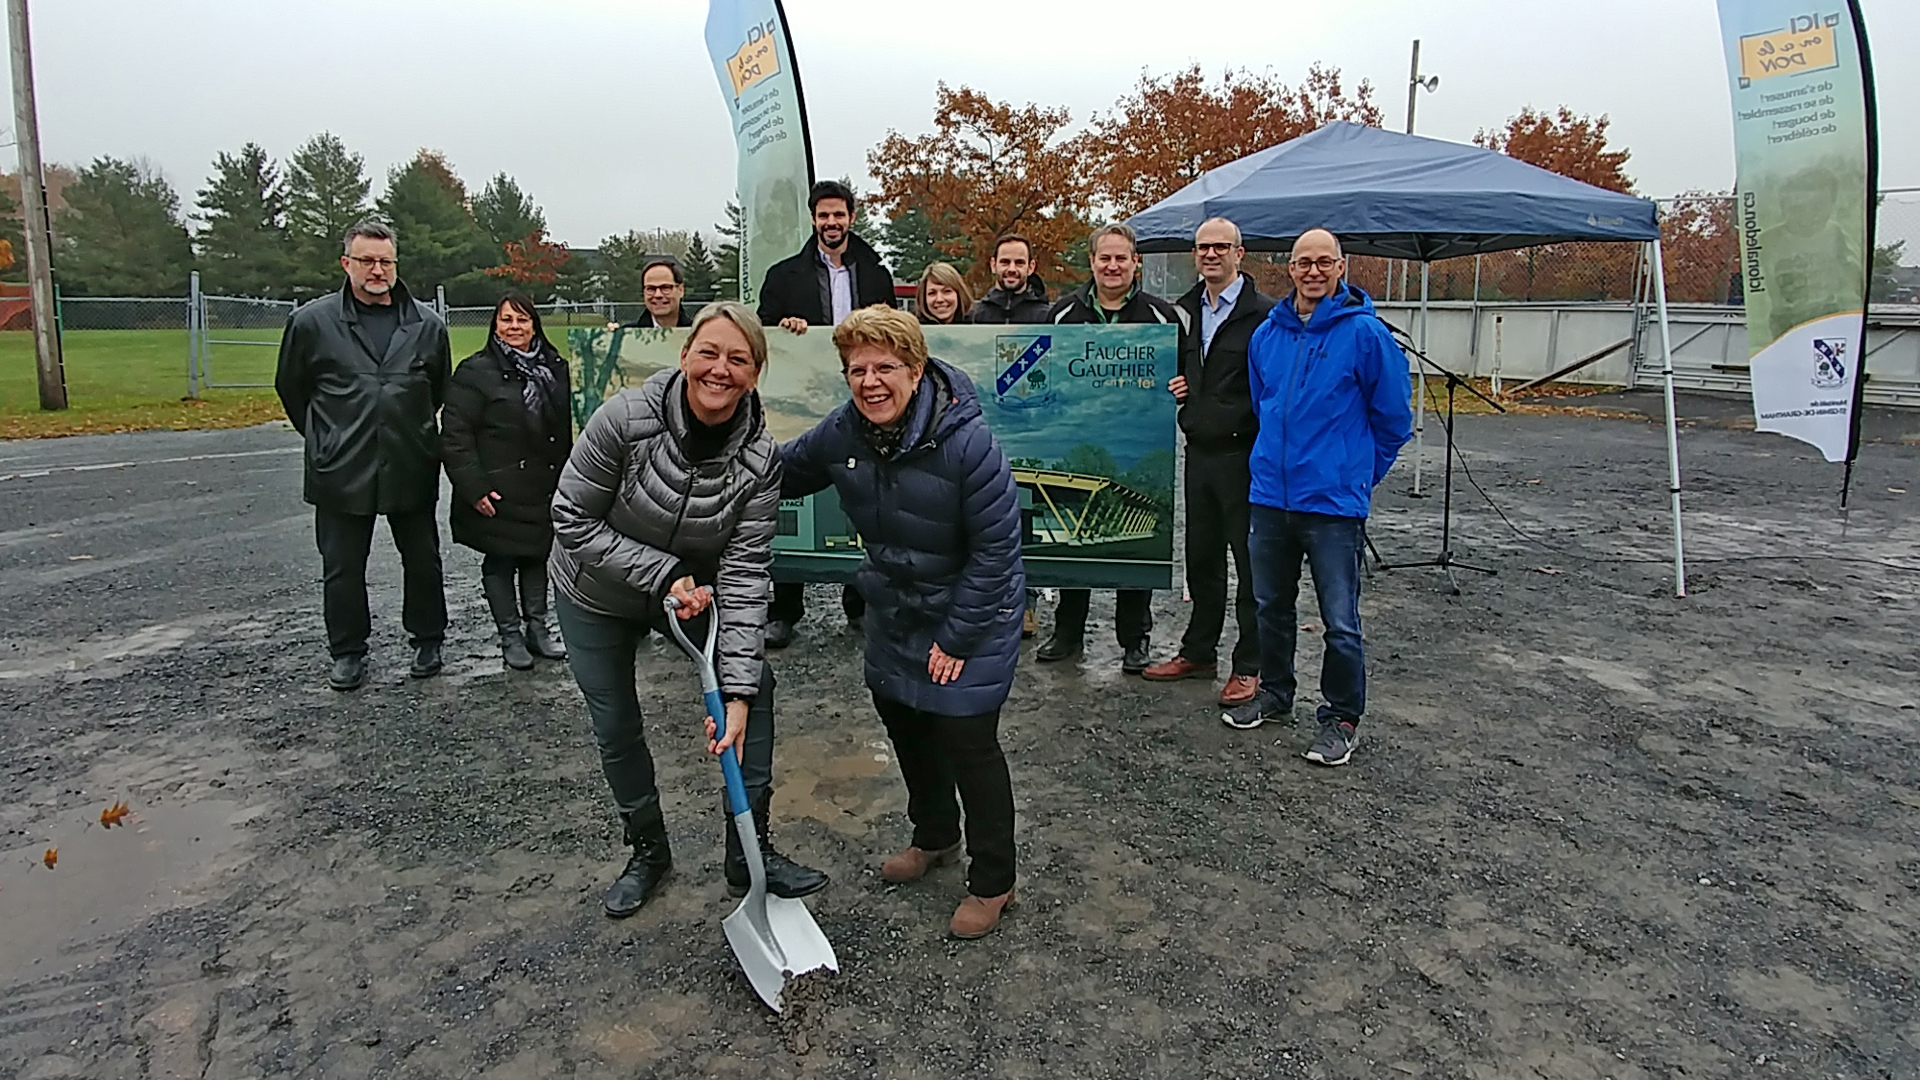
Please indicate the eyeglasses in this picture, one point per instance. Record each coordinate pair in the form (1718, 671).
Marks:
(658, 288)
(1214, 249)
(885, 369)
(368, 262)
(1323, 263)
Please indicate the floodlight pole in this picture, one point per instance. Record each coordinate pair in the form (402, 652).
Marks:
(33, 202)
(1416, 83)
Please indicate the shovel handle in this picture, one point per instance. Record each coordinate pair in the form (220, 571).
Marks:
(710, 691)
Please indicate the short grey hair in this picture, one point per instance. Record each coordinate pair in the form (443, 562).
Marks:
(1228, 222)
(739, 315)
(371, 229)
(1120, 229)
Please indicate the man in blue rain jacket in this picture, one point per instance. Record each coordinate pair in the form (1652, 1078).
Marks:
(1330, 388)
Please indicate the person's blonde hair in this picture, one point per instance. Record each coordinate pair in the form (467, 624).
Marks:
(739, 315)
(943, 273)
(882, 327)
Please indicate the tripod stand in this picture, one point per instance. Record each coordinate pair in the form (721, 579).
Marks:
(1444, 560)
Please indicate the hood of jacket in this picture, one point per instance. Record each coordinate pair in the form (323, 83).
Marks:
(1345, 302)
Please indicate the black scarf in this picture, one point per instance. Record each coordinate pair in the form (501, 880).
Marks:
(532, 367)
(886, 440)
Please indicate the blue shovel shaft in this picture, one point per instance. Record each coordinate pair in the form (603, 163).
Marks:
(729, 760)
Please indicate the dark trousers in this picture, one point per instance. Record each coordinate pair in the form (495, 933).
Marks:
(1217, 522)
(1278, 541)
(600, 650)
(345, 540)
(939, 755)
(790, 602)
(1132, 615)
(516, 589)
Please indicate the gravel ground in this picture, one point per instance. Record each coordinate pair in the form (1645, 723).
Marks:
(1592, 831)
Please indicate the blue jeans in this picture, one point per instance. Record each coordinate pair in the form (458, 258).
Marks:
(1276, 542)
(601, 652)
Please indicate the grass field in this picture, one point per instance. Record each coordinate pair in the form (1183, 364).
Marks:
(135, 380)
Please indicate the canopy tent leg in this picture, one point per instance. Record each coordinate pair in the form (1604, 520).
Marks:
(1419, 378)
(1673, 431)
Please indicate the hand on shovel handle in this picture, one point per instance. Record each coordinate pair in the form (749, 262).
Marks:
(736, 731)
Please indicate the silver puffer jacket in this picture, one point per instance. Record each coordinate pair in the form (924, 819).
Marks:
(632, 515)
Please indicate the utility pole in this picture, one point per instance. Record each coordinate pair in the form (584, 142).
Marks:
(33, 202)
(1413, 85)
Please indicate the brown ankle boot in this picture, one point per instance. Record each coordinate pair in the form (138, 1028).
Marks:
(913, 863)
(978, 915)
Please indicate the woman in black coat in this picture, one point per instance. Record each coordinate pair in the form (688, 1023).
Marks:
(505, 432)
(932, 495)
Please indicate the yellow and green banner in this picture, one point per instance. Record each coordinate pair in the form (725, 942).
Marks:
(753, 57)
(1082, 413)
(1804, 145)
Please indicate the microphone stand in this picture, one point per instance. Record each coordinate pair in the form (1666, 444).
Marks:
(1444, 560)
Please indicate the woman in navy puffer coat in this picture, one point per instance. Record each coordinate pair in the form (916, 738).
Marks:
(925, 483)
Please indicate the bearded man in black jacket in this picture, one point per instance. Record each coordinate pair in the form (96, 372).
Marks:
(1018, 295)
(1216, 413)
(835, 274)
(362, 375)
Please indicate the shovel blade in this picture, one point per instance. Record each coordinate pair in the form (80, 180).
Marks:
(787, 942)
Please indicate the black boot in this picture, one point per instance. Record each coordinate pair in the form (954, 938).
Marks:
(506, 616)
(646, 833)
(785, 878)
(533, 607)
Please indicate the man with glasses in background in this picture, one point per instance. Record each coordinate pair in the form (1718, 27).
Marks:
(1331, 392)
(362, 374)
(662, 287)
(1216, 413)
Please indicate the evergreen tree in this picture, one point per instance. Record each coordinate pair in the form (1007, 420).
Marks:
(910, 245)
(439, 242)
(245, 249)
(327, 189)
(121, 235)
(699, 270)
(579, 278)
(505, 213)
(727, 256)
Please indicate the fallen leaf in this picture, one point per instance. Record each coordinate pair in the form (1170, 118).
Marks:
(1530, 481)
(1898, 491)
(113, 815)
(78, 558)
(1309, 627)
(1547, 570)
(52, 856)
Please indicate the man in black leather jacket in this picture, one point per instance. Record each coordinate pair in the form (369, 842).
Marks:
(362, 374)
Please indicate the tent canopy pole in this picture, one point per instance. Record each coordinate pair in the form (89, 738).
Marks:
(1673, 431)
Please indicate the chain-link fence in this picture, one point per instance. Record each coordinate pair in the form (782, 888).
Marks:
(84, 313)
(233, 341)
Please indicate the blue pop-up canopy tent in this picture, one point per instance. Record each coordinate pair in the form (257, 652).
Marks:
(1406, 197)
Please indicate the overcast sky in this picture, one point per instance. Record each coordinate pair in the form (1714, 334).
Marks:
(608, 112)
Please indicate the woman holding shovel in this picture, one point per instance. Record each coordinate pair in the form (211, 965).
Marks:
(673, 489)
(929, 490)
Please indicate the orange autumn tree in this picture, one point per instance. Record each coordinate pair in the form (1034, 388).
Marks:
(1175, 127)
(1700, 245)
(1574, 146)
(988, 168)
(533, 263)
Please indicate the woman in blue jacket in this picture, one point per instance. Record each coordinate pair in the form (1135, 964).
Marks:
(925, 483)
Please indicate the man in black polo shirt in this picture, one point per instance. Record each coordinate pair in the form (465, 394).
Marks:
(1113, 296)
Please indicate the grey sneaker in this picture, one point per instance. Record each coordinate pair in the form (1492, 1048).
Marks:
(1262, 709)
(1334, 745)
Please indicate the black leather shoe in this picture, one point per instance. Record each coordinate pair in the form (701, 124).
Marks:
(646, 869)
(426, 661)
(779, 634)
(349, 672)
(1135, 659)
(513, 650)
(541, 642)
(1057, 648)
(785, 878)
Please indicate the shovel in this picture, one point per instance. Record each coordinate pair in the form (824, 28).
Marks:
(773, 938)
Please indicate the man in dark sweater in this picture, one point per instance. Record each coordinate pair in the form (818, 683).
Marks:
(835, 274)
(1113, 296)
(1018, 295)
(1216, 413)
